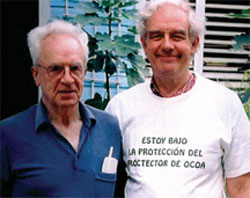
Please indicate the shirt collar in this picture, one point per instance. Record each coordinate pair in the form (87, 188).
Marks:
(88, 118)
(154, 87)
(41, 115)
(42, 118)
(186, 88)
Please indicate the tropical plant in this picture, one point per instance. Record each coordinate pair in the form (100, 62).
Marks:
(242, 40)
(109, 50)
(245, 93)
(243, 43)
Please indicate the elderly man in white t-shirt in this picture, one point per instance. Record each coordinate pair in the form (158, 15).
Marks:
(184, 136)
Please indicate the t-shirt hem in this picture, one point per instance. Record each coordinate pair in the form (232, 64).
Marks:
(237, 173)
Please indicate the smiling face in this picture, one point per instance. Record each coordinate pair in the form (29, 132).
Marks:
(167, 43)
(60, 50)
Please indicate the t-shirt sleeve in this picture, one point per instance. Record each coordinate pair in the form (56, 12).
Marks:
(237, 156)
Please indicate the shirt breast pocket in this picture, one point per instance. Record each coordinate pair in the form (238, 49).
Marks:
(105, 184)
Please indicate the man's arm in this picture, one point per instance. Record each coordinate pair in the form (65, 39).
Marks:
(238, 187)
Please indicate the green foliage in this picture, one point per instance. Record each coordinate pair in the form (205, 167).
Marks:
(245, 94)
(109, 50)
(97, 102)
(247, 108)
(244, 14)
(242, 42)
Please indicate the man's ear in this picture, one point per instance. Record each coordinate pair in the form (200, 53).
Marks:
(34, 71)
(195, 45)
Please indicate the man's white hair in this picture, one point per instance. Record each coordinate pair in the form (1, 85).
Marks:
(197, 24)
(38, 34)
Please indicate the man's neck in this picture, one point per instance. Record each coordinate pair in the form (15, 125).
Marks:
(63, 115)
(68, 122)
(169, 85)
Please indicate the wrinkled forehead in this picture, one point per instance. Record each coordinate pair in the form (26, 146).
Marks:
(171, 11)
(58, 36)
(63, 47)
(168, 14)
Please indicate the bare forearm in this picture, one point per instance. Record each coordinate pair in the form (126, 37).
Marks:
(240, 194)
(238, 187)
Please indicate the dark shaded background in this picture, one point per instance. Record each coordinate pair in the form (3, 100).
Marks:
(18, 90)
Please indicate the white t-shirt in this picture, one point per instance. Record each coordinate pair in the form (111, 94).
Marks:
(183, 146)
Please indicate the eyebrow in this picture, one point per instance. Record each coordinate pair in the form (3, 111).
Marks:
(174, 31)
(62, 64)
(180, 31)
(154, 31)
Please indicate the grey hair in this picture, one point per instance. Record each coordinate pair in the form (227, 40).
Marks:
(36, 36)
(197, 24)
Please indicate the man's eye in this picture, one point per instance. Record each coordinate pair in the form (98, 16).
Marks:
(155, 36)
(75, 68)
(179, 37)
(55, 68)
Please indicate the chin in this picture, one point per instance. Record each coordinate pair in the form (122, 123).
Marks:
(168, 69)
(67, 103)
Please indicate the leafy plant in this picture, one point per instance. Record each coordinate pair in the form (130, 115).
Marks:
(97, 101)
(244, 14)
(243, 40)
(243, 43)
(109, 50)
(245, 94)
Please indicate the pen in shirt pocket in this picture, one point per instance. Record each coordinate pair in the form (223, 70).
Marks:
(110, 163)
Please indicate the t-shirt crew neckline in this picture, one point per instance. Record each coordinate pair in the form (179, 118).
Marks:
(175, 98)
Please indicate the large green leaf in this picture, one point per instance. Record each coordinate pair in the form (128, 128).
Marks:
(88, 7)
(241, 41)
(110, 67)
(116, 19)
(127, 4)
(245, 96)
(133, 30)
(136, 59)
(125, 44)
(128, 41)
(130, 14)
(92, 45)
(111, 3)
(93, 19)
(90, 65)
(139, 63)
(99, 61)
(104, 41)
(133, 77)
(97, 102)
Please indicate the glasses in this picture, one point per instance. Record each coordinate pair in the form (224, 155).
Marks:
(59, 71)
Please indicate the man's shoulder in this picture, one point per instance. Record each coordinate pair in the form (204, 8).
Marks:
(102, 115)
(21, 118)
(105, 121)
(214, 86)
(133, 92)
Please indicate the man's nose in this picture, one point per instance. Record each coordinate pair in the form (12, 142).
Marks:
(167, 43)
(67, 77)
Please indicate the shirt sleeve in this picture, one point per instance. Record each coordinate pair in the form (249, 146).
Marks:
(237, 157)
